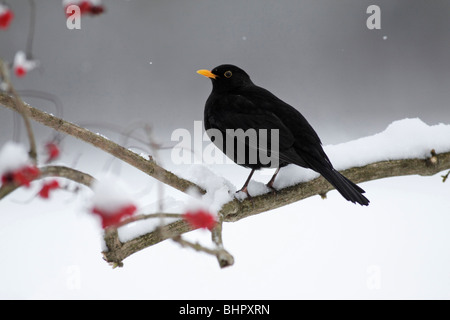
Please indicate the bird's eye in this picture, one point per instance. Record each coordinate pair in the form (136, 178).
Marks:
(228, 74)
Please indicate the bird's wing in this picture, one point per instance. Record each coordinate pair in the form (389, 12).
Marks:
(296, 123)
(307, 144)
(303, 146)
(241, 113)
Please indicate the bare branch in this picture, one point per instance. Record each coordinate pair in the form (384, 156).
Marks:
(445, 176)
(54, 171)
(31, 29)
(15, 103)
(68, 173)
(225, 259)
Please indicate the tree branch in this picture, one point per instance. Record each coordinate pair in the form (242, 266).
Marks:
(236, 210)
(54, 171)
(119, 251)
(15, 103)
(225, 259)
(147, 166)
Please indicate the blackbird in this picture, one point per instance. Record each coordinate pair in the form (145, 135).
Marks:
(237, 103)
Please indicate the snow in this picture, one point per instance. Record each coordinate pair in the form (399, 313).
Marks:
(3, 8)
(139, 228)
(20, 60)
(313, 249)
(4, 86)
(13, 156)
(403, 139)
(218, 192)
(110, 193)
(292, 175)
(218, 189)
(102, 135)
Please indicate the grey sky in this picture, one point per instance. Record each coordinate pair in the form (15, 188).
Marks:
(318, 56)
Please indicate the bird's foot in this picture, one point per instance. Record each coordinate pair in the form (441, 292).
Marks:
(245, 190)
(272, 189)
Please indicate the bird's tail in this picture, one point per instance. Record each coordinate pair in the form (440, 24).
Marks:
(346, 188)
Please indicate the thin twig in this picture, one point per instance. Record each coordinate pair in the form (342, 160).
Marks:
(147, 166)
(445, 176)
(224, 258)
(53, 171)
(17, 104)
(220, 253)
(31, 28)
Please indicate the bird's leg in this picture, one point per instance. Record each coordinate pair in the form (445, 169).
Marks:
(244, 188)
(270, 183)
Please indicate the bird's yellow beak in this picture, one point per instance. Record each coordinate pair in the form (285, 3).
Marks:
(207, 73)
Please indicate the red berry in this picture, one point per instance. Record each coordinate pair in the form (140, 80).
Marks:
(20, 71)
(22, 176)
(200, 219)
(7, 178)
(47, 187)
(112, 218)
(53, 151)
(85, 7)
(96, 10)
(6, 18)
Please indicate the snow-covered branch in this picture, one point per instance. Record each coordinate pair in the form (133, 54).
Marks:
(236, 210)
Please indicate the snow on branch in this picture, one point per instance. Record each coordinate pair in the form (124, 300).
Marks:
(236, 210)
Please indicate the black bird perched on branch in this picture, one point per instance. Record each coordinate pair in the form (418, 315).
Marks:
(236, 103)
